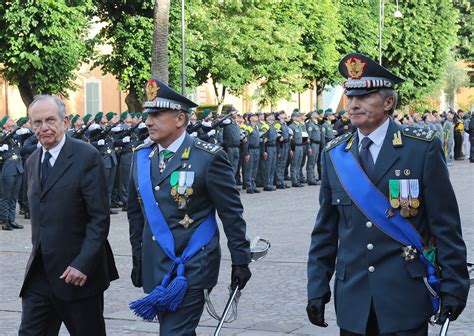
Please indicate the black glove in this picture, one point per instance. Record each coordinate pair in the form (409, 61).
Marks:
(136, 275)
(451, 307)
(315, 311)
(240, 275)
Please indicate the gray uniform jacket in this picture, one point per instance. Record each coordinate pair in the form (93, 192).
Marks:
(214, 188)
(368, 263)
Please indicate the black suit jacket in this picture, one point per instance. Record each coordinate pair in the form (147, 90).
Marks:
(70, 220)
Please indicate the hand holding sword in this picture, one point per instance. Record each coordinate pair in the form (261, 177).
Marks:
(258, 250)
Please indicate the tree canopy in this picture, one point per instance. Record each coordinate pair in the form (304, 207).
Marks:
(285, 46)
(42, 44)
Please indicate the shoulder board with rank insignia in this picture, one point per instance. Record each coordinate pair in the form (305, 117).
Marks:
(143, 145)
(419, 133)
(333, 143)
(207, 147)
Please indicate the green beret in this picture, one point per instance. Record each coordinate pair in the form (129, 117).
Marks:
(3, 121)
(205, 113)
(70, 116)
(74, 119)
(21, 121)
(98, 117)
(329, 110)
(341, 112)
(124, 115)
(320, 111)
(87, 117)
(110, 115)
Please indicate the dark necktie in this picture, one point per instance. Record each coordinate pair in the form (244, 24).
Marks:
(366, 159)
(45, 168)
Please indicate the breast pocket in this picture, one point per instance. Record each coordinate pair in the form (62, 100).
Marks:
(344, 206)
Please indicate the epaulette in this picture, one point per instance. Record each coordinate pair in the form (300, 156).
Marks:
(340, 139)
(207, 147)
(277, 126)
(419, 133)
(143, 145)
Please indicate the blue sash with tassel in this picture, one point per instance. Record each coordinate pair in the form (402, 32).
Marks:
(373, 204)
(169, 294)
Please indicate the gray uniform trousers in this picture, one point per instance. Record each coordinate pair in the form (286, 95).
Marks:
(186, 319)
(269, 166)
(10, 187)
(295, 167)
(310, 165)
(282, 157)
(233, 154)
(251, 168)
(303, 162)
(125, 166)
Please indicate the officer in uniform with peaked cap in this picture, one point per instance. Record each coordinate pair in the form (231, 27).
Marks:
(379, 225)
(186, 180)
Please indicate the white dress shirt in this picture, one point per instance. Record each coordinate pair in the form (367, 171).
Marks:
(54, 151)
(377, 137)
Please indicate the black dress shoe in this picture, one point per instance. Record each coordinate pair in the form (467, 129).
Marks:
(250, 191)
(113, 212)
(256, 191)
(268, 189)
(114, 206)
(295, 185)
(27, 215)
(15, 225)
(21, 212)
(124, 208)
(287, 186)
(314, 183)
(280, 186)
(7, 227)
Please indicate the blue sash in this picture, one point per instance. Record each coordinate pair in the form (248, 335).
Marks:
(372, 203)
(168, 295)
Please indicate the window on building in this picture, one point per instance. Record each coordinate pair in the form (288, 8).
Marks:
(92, 99)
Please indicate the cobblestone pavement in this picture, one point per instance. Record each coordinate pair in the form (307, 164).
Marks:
(274, 301)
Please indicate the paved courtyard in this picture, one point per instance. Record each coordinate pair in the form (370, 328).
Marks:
(274, 301)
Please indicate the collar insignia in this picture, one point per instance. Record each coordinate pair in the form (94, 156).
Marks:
(185, 154)
(397, 139)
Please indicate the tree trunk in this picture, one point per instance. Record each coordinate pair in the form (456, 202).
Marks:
(26, 92)
(159, 58)
(132, 100)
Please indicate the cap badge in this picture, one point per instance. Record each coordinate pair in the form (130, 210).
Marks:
(355, 67)
(152, 89)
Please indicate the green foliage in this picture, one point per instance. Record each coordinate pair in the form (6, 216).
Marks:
(131, 40)
(321, 36)
(465, 47)
(128, 31)
(415, 46)
(456, 78)
(43, 43)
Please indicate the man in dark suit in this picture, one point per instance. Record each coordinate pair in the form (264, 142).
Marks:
(71, 263)
(387, 208)
(185, 180)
